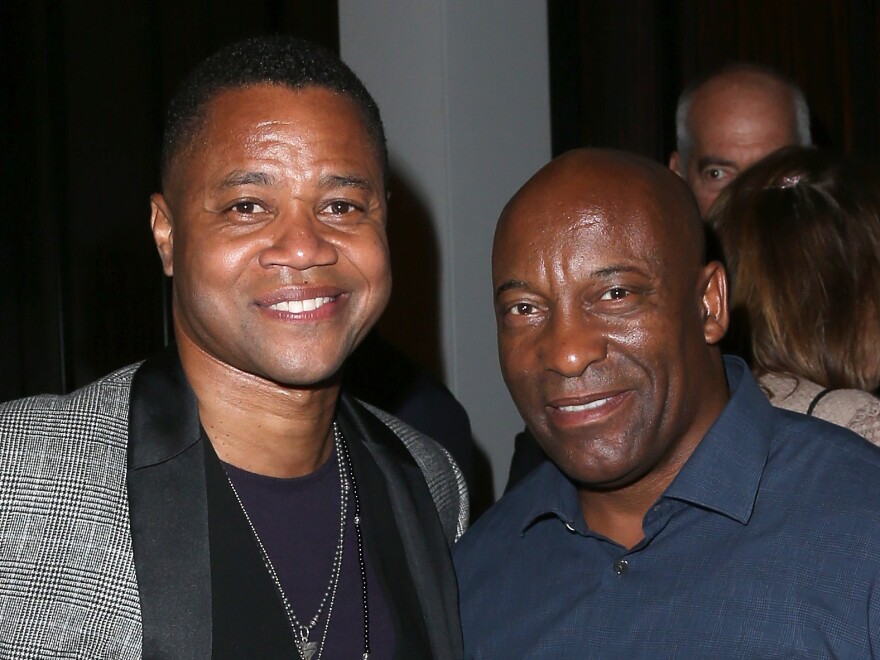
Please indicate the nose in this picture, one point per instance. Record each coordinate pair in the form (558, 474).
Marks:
(297, 239)
(571, 343)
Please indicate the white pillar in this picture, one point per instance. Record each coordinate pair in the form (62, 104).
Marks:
(463, 86)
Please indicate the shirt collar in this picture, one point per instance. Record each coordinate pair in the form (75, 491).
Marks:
(722, 474)
(558, 498)
(725, 469)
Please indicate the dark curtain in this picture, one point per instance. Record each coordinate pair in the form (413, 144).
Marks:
(85, 85)
(617, 67)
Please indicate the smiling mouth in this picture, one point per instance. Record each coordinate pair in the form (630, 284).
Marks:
(299, 306)
(585, 406)
(585, 409)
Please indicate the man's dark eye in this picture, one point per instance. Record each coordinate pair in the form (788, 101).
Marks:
(340, 208)
(247, 208)
(616, 293)
(522, 309)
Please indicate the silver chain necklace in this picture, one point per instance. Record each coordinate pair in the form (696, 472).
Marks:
(302, 632)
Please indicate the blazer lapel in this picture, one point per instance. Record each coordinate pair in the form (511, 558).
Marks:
(169, 512)
(417, 524)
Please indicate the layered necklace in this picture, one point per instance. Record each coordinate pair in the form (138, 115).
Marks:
(302, 632)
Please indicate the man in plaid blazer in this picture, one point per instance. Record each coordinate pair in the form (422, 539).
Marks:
(134, 515)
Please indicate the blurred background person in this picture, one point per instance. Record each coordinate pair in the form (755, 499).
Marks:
(731, 119)
(800, 232)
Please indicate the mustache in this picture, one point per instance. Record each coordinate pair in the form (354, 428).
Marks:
(594, 379)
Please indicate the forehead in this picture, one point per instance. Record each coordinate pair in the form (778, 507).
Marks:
(263, 119)
(561, 224)
(743, 106)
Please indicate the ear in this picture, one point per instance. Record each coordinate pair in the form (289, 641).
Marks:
(716, 316)
(163, 231)
(675, 164)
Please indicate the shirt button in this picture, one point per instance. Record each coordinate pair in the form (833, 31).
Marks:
(621, 566)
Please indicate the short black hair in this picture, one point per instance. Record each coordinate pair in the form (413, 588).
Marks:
(274, 60)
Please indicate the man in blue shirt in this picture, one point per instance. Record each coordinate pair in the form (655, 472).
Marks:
(681, 515)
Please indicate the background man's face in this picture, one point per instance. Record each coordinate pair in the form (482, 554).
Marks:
(277, 233)
(600, 327)
(733, 125)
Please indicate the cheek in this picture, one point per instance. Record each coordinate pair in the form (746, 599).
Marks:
(369, 257)
(208, 309)
(210, 260)
(518, 370)
(508, 357)
(377, 268)
(705, 198)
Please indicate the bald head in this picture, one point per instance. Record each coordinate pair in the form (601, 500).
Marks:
(607, 317)
(592, 180)
(731, 120)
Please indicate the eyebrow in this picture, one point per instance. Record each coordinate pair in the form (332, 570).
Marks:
(238, 178)
(508, 285)
(344, 181)
(602, 273)
(611, 271)
(706, 161)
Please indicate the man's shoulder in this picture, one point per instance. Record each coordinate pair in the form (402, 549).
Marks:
(502, 522)
(813, 435)
(428, 453)
(87, 396)
(443, 476)
(65, 542)
(824, 462)
(98, 410)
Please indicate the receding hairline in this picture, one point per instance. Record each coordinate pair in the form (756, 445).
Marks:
(767, 77)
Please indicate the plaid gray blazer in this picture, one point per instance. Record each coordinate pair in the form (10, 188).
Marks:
(68, 586)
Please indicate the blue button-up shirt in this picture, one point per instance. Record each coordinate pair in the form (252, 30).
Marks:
(766, 545)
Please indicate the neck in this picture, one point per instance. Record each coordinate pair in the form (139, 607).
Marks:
(256, 424)
(618, 513)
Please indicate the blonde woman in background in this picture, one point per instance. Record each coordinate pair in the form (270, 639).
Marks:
(800, 232)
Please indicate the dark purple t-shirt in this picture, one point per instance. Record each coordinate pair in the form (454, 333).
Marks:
(298, 522)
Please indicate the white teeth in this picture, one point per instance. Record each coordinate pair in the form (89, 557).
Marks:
(585, 406)
(299, 306)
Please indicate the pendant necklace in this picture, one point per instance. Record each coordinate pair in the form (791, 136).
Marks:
(302, 632)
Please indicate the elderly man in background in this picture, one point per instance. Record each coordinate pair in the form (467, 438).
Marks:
(680, 514)
(730, 120)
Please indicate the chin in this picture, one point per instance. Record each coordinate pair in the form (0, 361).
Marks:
(293, 371)
(599, 478)
(306, 378)
(592, 467)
